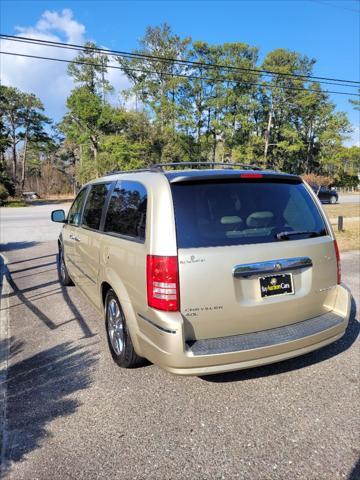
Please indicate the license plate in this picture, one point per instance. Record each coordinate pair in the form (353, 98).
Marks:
(276, 285)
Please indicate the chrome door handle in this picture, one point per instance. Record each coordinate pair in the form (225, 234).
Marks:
(73, 237)
(272, 266)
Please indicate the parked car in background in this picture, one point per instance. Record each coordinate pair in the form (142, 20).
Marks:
(30, 196)
(326, 194)
(205, 270)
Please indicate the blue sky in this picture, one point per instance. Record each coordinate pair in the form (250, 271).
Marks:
(327, 30)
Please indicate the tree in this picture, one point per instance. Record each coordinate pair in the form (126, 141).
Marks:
(155, 80)
(11, 111)
(34, 122)
(25, 123)
(190, 110)
(356, 102)
(89, 70)
(82, 125)
(4, 138)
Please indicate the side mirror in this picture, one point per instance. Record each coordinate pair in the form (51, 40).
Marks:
(58, 216)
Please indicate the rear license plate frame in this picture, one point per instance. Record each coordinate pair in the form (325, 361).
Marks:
(272, 281)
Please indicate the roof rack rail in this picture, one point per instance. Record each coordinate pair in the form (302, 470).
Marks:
(207, 164)
(152, 168)
(159, 167)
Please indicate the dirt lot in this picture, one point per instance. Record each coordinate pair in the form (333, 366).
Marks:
(346, 210)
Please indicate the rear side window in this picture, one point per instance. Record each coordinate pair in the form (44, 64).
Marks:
(74, 216)
(94, 205)
(243, 212)
(126, 214)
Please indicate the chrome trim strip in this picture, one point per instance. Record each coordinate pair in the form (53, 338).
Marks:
(272, 266)
(166, 330)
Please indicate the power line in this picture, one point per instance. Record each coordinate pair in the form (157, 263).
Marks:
(214, 80)
(170, 60)
(104, 51)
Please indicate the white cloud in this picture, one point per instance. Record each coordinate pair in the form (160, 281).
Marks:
(47, 79)
(63, 23)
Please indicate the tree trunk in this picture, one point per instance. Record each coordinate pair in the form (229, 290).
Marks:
(267, 132)
(23, 168)
(214, 146)
(95, 149)
(309, 149)
(96, 161)
(14, 155)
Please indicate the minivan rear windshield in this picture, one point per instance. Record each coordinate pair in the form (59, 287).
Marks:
(220, 213)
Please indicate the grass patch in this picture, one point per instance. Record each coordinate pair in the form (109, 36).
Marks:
(345, 209)
(15, 203)
(349, 239)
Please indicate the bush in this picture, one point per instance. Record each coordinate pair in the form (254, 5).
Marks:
(346, 180)
(319, 180)
(3, 194)
(6, 182)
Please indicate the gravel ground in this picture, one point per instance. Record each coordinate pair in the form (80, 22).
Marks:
(73, 414)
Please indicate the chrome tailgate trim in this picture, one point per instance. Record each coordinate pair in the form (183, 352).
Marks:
(271, 266)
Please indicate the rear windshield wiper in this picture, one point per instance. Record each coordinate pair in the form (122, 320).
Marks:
(287, 235)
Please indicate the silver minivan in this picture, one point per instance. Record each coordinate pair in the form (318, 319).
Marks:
(205, 270)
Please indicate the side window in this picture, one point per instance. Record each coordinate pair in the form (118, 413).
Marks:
(126, 214)
(74, 215)
(300, 213)
(94, 205)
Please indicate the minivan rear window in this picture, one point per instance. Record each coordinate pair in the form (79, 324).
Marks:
(237, 212)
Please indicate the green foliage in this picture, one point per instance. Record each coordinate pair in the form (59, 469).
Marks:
(356, 102)
(346, 180)
(6, 181)
(183, 113)
(3, 194)
(23, 123)
(89, 70)
(117, 153)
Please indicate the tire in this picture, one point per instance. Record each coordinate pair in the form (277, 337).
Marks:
(118, 336)
(333, 199)
(64, 276)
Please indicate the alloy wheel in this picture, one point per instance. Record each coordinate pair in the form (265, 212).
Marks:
(115, 326)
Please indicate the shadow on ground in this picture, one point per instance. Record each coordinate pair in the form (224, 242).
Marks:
(355, 472)
(14, 346)
(7, 247)
(312, 358)
(38, 393)
(29, 295)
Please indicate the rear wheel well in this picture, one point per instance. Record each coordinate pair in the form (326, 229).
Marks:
(105, 287)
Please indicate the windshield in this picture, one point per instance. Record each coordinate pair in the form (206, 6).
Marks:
(243, 212)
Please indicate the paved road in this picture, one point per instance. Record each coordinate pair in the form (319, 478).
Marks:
(73, 414)
(346, 198)
(26, 224)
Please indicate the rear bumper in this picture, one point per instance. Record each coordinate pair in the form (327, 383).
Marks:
(169, 350)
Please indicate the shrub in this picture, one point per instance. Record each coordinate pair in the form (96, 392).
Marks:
(346, 180)
(3, 194)
(319, 180)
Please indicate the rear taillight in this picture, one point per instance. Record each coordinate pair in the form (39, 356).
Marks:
(251, 175)
(338, 263)
(162, 282)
